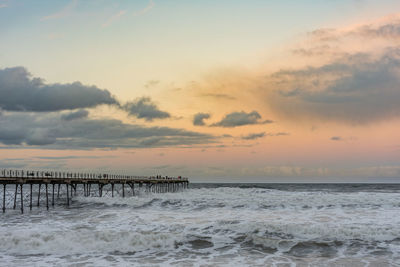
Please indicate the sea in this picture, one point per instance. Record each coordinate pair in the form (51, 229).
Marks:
(211, 225)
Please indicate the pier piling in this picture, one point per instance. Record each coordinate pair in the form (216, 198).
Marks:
(22, 200)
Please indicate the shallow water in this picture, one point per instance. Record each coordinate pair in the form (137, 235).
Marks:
(213, 225)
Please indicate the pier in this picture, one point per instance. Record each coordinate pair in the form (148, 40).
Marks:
(20, 186)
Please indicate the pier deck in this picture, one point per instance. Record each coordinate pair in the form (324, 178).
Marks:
(67, 183)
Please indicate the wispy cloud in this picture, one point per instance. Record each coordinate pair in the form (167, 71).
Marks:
(144, 10)
(253, 136)
(113, 18)
(151, 83)
(66, 11)
(3, 5)
(278, 134)
(218, 96)
(340, 138)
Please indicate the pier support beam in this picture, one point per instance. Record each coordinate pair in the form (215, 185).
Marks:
(30, 198)
(132, 186)
(52, 196)
(4, 198)
(67, 194)
(38, 199)
(47, 196)
(22, 200)
(100, 190)
(15, 196)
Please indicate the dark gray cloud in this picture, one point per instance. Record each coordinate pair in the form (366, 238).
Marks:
(241, 118)
(336, 138)
(199, 118)
(356, 88)
(144, 108)
(253, 136)
(52, 131)
(19, 91)
(79, 114)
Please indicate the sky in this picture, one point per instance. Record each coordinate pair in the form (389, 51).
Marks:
(217, 91)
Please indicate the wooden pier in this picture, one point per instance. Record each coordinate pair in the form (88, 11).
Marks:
(69, 184)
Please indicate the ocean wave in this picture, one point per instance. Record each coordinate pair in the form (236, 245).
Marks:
(229, 224)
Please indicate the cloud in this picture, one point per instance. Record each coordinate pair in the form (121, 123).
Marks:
(3, 5)
(199, 118)
(144, 10)
(51, 130)
(66, 11)
(73, 157)
(346, 139)
(356, 80)
(241, 118)
(357, 88)
(151, 83)
(370, 36)
(253, 136)
(219, 96)
(144, 108)
(278, 134)
(318, 50)
(388, 29)
(113, 18)
(79, 114)
(21, 92)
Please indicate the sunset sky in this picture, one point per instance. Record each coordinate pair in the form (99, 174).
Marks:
(223, 91)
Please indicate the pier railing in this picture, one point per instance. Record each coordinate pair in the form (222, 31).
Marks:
(79, 175)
